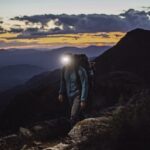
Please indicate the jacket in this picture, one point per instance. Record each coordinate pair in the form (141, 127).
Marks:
(70, 83)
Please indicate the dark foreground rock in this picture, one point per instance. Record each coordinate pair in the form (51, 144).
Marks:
(37, 137)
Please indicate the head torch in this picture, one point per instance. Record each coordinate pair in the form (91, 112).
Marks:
(66, 59)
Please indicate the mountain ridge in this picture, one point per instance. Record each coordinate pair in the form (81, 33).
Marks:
(131, 54)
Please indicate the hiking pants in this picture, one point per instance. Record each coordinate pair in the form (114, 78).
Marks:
(75, 110)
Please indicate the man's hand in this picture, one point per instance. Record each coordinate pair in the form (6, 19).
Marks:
(83, 105)
(61, 98)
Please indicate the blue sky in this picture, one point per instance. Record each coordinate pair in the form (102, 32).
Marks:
(10, 8)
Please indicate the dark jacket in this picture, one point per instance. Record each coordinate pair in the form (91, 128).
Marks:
(70, 83)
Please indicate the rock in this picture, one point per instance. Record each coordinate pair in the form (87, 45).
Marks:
(90, 128)
(24, 147)
(60, 146)
(37, 143)
(33, 138)
(11, 142)
(89, 134)
(50, 129)
(25, 132)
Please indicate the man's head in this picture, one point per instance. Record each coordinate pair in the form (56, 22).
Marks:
(67, 60)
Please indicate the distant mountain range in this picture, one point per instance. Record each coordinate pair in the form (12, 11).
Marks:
(13, 75)
(46, 59)
(19, 65)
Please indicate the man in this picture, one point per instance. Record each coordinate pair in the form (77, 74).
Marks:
(74, 82)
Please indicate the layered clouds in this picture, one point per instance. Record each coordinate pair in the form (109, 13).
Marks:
(136, 19)
(48, 27)
(62, 24)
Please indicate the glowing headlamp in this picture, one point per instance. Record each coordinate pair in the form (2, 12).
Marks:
(66, 60)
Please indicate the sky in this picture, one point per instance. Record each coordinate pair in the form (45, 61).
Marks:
(10, 8)
(58, 23)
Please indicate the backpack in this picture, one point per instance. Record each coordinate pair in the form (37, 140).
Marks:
(82, 60)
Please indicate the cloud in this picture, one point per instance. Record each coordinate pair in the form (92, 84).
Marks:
(137, 19)
(78, 23)
(16, 30)
(103, 35)
(43, 25)
(1, 20)
(146, 8)
(2, 30)
(10, 40)
(14, 44)
(36, 19)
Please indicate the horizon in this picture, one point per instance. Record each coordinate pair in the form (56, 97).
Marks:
(32, 24)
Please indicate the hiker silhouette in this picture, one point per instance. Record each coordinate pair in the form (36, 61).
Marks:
(76, 84)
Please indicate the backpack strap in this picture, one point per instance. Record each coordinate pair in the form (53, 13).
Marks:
(78, 78)
(63, 74)
(62, 78)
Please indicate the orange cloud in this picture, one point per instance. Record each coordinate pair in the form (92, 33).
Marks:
(10, 40)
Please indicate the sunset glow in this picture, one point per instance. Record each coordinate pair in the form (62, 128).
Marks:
(10, 40)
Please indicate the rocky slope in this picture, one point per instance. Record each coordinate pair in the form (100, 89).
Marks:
(123, 127)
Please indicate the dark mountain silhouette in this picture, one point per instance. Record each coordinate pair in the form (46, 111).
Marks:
(131, 54)
(117, 79)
